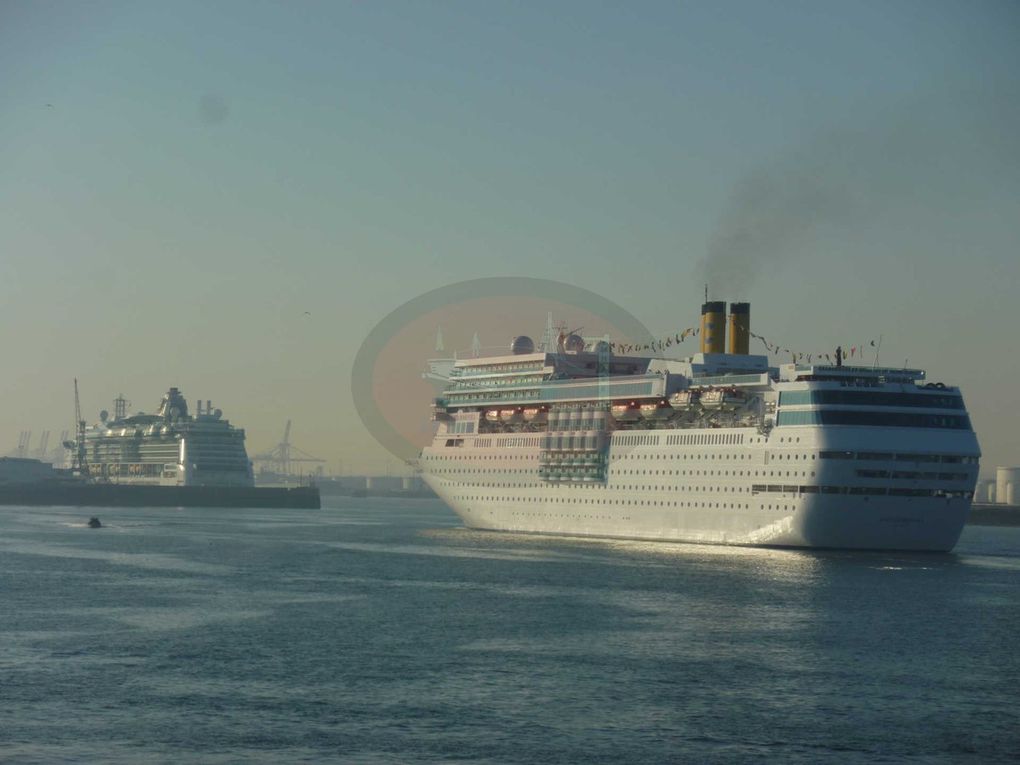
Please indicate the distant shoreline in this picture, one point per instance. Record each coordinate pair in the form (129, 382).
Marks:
(994, 515)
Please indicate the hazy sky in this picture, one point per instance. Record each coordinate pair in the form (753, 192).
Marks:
(180, 182)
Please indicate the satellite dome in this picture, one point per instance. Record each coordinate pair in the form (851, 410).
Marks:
(522, 344)
(104, 415)
(574, 344)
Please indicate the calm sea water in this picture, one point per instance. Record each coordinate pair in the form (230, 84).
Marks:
(379, 631)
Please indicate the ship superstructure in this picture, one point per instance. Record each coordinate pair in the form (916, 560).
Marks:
(170, 448)
(720, 447)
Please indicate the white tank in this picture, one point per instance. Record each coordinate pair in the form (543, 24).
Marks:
(985, 491)
(1006, 481)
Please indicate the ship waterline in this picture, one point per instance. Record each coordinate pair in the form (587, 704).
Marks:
(719, 448)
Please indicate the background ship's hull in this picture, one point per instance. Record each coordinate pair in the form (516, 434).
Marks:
(123, 495)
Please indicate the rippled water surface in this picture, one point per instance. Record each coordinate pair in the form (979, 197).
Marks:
(379, 631)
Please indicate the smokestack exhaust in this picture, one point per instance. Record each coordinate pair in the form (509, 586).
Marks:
(713, 327)
(740, 328)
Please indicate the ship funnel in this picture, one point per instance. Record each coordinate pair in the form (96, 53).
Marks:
(713, 327)
(740, 328)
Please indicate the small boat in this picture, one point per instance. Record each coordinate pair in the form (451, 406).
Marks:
(94, 523)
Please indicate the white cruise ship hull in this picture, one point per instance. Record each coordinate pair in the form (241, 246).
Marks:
(838, 522)
(749, 489)
(823, 523)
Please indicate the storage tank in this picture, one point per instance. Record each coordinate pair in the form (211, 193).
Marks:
(985, 491)
(1006, 481)
(713, 327)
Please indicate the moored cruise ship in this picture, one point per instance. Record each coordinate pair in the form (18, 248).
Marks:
(717, 448)
(170, 448)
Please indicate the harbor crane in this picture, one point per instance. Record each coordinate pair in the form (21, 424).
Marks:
(41, 452)
(79, 463)
(24, 440)
(283, 455)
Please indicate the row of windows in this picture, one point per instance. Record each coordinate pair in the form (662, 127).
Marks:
(870, 398)
(656, 439)
(754, 489)
(517, 442)
(458, 397)
(597, 390)
(694, 439)
(912, 474)
(613, 502)
(946, 459)
(463, 383)
(873, 491)
(467, 371)
(636, 440)
(877, 419)
(719, 473)
(586, 391)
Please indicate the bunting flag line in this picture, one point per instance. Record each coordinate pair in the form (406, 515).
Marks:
(656, 345)
(855, 352)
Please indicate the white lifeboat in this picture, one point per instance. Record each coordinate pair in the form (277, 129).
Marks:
(535, 414)
(723, 398)
(511, 415)
(656, 410)
(683, 399)
(625, 412)
(492, 415)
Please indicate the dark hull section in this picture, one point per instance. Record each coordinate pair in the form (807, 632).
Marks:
(121, 495)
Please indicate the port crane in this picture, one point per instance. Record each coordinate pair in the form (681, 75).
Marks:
(42, 452)
(79, 463)
(283, 455)
(24, 440)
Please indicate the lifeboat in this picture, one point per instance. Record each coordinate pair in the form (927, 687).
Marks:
(535, 414)
(723, 398)
(683, 399)
(492, 415)
(511, 415)
(712, 399)
(656, 410)
(625, 412)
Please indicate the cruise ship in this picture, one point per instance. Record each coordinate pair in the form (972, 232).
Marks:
(717, 448)
(170, 448)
